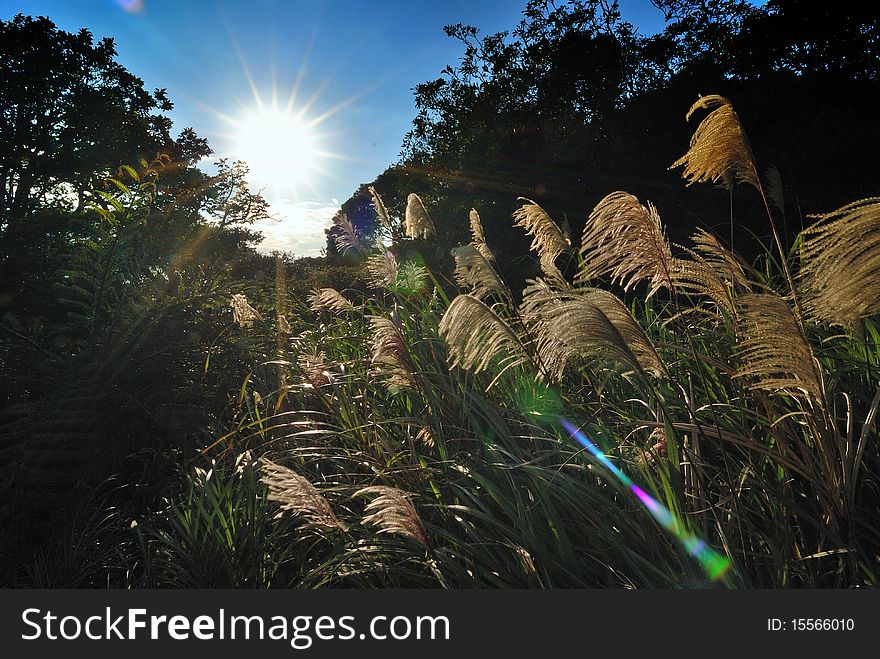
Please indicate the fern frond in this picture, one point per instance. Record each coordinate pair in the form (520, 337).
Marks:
(840, 264)
(718, 148)
(624, 239)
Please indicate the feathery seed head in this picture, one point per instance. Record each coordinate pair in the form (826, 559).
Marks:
(719, 148)
(242, 312)
(297, 495)
(418, 223)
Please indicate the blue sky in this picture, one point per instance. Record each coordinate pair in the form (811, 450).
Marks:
(355, 61)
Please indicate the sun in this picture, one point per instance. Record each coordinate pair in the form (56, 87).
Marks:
(279, 146)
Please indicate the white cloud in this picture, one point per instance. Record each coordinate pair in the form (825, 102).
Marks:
(299, 227)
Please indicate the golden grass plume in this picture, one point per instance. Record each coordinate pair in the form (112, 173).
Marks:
(391, 359)
(719, 150)
(586, 322)
(626, 240)
(381, 211)
(473, 271)
(479, 238)
(712, 271)
(840, 264)
(548, 240)
(242, 312)
(772, 350)
(383, 269)
(346, 237)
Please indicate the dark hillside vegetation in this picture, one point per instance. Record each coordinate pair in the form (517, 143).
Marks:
(557, 248)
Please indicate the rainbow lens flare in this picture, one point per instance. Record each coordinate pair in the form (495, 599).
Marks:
(713, 563)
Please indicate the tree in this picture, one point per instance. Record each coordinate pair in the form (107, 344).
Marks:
(70, 114)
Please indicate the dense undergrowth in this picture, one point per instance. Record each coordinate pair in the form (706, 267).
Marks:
(401, 435)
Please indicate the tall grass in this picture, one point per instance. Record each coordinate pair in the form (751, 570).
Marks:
(410, 439)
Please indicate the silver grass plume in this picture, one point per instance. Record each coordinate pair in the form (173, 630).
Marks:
(840, 264)
(242, 312)
(626, 240)
(297, 495)
(418, 223)
(712, 271)
(476, 335)
(719, 150)
(473, 271)
(328, 299)
(479, 237)
(392, 512)
(391, 359)
(315, 368)
(381, 211)
(383, 269)
(347, 237)
(772, 349)
(586, 322)
(548, 240)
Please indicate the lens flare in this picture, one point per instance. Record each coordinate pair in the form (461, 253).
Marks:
(131, 6)
(713, 563)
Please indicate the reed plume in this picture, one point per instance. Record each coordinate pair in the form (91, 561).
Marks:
(626, 240)
(391, 360)
(242, 312)
(773, 352)
(392, 512)
(473, 271)
(297, 495)
(476, 335)
(381, 211)
(479, 238)
(585, 322)
(548, 240)
(346, 237)
(383, 269)
(718, 148)
(328, 299)
(418, 223)
(840, 264)
(315, 367)
(712, 271)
